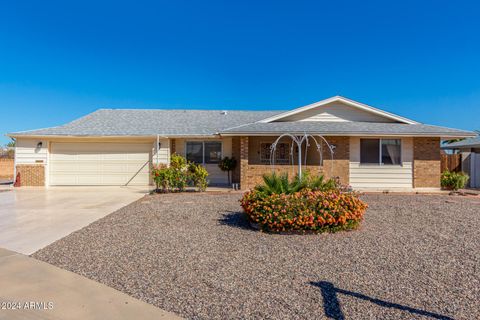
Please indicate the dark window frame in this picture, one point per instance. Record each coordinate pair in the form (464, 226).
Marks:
(380, 151)
(203, 150)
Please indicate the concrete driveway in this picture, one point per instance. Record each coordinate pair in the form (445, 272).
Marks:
(32, 218)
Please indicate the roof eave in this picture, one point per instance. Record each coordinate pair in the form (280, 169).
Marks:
(354, 134)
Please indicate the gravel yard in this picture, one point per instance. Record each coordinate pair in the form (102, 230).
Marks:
(415, 256)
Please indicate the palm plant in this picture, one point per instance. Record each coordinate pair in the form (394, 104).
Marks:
(278, 184)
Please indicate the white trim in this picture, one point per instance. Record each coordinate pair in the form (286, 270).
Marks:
(346, 101)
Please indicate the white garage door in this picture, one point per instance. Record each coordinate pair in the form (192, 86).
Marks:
(99, 164)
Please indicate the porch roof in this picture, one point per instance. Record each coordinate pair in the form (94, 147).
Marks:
(346, 129)
(467, 143)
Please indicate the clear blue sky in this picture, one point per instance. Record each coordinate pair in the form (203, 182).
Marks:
(59, 61)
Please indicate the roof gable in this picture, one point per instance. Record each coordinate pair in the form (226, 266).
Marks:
(338, 109)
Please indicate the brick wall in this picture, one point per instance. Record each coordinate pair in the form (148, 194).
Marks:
(255, 172)
(251, 170)
(6, 168)
(31, 174)
(244, 183)
(236, 155)
(426, 163)
(340, 166)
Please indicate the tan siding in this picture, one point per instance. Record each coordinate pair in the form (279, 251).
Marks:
(336, 112)
(163, 152)
(377, 176)
(26, 151)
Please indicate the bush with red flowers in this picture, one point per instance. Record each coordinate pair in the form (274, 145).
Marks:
(305, 210)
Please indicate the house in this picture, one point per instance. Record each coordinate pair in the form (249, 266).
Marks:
(372, 148)
(470, 151)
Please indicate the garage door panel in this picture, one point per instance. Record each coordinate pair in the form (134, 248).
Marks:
(99, 164)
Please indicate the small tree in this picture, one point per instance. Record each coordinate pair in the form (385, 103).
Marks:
(228, 164)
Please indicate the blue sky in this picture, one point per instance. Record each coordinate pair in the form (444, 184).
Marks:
(59, 60)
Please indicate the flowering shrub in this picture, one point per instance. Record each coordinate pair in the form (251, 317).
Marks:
(179, 175)
(306, 210)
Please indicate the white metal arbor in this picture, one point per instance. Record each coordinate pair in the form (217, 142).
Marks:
(299, 140)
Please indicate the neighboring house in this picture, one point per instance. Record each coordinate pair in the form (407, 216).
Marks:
(373, 149)
(470, 151)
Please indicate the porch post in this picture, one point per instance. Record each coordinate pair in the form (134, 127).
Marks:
(243, 162)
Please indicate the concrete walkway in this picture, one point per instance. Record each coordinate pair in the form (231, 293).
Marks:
(32, 218)
(65, 295)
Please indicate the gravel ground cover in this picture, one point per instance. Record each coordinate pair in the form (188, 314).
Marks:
(415, 256)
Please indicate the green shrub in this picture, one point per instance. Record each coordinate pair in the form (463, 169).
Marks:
(306, 210)
(228, 164)
(179, 175)
(277, 184)
(198, 176)
(453, 180)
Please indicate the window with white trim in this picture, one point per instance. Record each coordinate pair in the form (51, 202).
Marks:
(381, 151)
(203, 152)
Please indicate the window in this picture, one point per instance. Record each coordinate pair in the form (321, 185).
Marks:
(194, 152)
(391, 151)
(369, 150)
(380, 151)
(281, 155)
(213, 152)
(203, 152)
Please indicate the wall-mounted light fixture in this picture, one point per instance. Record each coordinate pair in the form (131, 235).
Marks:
(333, 147)
(39, 145)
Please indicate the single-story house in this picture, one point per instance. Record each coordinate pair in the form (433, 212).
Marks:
(372, 148)
(470, 151)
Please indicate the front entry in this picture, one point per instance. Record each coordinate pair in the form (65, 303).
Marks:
(209, 154)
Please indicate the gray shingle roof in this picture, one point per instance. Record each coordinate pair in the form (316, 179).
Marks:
(347, 128)
(467, 143)
(141, 122)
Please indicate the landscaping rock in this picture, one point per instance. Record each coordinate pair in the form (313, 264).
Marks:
(415, 256)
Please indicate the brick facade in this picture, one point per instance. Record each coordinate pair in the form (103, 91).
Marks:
(31, 174)
(340, 166)
(251, 170)
(236, 155)
(244, 180)
(426, 163)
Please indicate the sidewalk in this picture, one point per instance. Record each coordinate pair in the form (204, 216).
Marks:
(61, 294)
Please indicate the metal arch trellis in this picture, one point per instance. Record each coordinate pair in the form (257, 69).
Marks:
(299, 140)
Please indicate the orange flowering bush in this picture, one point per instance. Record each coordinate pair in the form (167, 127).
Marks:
(306, 210)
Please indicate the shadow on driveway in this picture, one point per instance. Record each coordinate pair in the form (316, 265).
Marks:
(333, 310)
